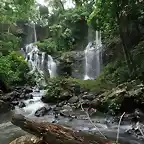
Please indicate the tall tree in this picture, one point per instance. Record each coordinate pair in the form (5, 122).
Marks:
(117, 15)
(13, 10)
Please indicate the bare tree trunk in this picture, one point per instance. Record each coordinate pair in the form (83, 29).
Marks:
(62, 5)
(56, 134)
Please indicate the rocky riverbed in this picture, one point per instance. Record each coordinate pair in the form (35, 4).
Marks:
(65, 113)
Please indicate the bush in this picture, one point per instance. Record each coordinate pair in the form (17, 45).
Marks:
(6, 73)
(14, 69)
(8, 43)
(47, 45)
(59, 89)
(19, 66)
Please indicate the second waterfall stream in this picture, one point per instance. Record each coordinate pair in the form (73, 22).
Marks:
(93, 58)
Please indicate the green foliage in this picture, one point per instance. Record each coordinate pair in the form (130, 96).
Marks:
(47, 45)
(18, 66)
(107, 14)
(13, 10)
(6, 74)
(138, 56)
(115, 72)
(8, 42)
(104, 15)
(66, 29)
(59, 89)
(14, 69)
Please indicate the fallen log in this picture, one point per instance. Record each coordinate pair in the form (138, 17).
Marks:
(56, 134)
(27, 139)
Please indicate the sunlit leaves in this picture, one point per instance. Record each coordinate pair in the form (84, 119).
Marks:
(13, 10)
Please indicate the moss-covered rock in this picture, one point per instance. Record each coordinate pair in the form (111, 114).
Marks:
(124, 98)
(71, 64)
(60, 89)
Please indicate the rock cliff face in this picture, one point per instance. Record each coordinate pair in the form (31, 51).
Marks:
(25, 31)
(72, 64)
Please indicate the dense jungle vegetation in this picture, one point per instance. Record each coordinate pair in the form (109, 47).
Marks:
(120, 22)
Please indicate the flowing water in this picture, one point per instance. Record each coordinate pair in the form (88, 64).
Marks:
(93, 58)
(39, 61)
(9, 132)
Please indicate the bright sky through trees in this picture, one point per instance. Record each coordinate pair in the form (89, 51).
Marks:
(68, 3)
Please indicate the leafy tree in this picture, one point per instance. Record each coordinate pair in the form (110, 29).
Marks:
(117, 15)
(13, 10)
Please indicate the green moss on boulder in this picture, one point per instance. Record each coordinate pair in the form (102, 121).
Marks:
(124, 98)
(60, 89)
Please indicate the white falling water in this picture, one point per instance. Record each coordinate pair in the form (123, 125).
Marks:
(51, 67)
(35, 35)
(93, 58)
(36, 60)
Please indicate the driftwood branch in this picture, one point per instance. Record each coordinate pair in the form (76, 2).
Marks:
(56, 134)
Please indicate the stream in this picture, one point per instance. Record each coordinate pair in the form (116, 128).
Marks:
(8, 131)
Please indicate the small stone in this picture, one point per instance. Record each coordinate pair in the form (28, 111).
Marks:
(14, 103)
(28, 96)
(22, 104)
(42, 111)
(27, 90)
(88, 96)
(74, 99)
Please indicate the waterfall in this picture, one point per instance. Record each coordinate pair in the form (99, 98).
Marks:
(39, 63)
(93, 58)
(51, 67)
(35, 35)
(36, 61)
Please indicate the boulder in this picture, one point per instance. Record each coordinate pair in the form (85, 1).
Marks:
(10, 96)
(22, 96)
(27, 90)
(28, 96)
(95, 103)
(4, 106)
(30, 102)
(1, 92)
(44, 99)
(65, 95)
(89, 96)
(76, 89)
(14, 103)
(3, 86)
(125, 97)
(22, 104)
(42, 111)
(27, 139)
(71, 64)
(74, 99)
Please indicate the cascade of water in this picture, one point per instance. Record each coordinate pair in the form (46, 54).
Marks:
(36, 60)
(35, 35)
(51, 67)
(92, 58)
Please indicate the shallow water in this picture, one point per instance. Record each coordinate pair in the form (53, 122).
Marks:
(8, 132)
